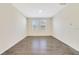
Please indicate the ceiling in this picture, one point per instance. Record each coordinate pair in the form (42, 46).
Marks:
(39, 9)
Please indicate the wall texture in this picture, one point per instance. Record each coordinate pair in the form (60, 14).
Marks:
(66, 25)
(12, 26)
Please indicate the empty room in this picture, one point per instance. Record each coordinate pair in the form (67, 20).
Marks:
(39, 28)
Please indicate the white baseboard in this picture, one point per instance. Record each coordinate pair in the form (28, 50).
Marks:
(66, 43)
(13, 44)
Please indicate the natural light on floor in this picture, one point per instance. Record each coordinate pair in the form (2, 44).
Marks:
(39, 45)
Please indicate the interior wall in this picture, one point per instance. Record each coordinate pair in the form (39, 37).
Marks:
(30, 32)
(66, 25)
(12, 26)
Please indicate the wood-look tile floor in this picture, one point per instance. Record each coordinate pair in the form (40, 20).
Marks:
(40, 45)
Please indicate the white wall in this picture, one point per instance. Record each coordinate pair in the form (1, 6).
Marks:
(66, 25)
(12, 26)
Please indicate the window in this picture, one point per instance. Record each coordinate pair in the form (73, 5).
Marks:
(39, 24)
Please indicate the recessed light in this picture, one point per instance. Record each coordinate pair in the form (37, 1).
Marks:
(40, 11)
